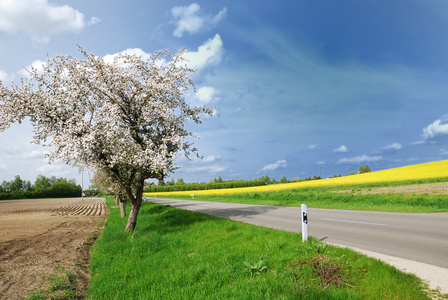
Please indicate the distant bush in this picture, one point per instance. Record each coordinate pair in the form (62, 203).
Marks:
(364, 169)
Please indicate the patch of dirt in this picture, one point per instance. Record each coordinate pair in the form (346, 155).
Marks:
(439, 188)
(40, 236)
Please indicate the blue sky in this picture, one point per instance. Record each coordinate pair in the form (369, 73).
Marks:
(299, 87)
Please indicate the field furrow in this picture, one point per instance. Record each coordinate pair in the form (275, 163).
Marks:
(88, 207)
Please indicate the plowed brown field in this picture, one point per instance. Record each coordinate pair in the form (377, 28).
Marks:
(41, 236)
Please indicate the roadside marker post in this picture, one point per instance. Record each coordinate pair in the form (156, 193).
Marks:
(304, 223)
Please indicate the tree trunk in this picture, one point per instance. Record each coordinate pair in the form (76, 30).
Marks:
(132, 220)
(136, 202)
(120, 201)
(123, 207)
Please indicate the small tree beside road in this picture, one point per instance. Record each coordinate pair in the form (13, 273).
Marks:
(107, 185)
(126, 117)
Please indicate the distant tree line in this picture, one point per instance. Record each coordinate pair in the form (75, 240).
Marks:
(43, 187)
(217, 183)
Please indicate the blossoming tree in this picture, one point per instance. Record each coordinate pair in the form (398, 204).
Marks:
(105, 182)
(127, 117)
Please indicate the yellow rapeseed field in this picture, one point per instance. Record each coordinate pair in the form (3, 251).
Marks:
(415, 172)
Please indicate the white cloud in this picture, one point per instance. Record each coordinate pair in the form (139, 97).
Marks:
(109, 58)
(50, 168)
(209, 169)
(320, 163)
(215, 113)
(93, 21)
(209, 54)
(278, 164)
(359, 159)
(312, 147)
(57, 169)
(343, 148)
(208, 95)
(417, 143)
(394, 146)
(37, 64)
(209, 164)
(4, 77)
(212, 158)
(190, 19)
(436, 128)
(35, 153)
(39, 19)
(443, 152)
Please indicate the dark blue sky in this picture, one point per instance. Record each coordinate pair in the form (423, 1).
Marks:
(298, 86)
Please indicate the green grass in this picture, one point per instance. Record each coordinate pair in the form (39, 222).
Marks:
(62, 286)
(177, 254)
(324, 198)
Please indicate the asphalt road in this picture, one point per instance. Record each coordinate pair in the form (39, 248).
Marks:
(417, 237)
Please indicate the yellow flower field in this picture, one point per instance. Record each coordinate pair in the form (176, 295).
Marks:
(415, 172)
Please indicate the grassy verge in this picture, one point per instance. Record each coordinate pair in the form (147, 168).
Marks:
(63, 285)
(325, 198)
(176, 254)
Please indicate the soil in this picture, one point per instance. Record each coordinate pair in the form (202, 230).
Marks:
(41, 236)
(439, 188)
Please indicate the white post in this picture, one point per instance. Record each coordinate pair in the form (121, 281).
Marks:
(304, 223)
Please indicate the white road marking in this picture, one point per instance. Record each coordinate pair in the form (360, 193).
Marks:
(347, 221)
